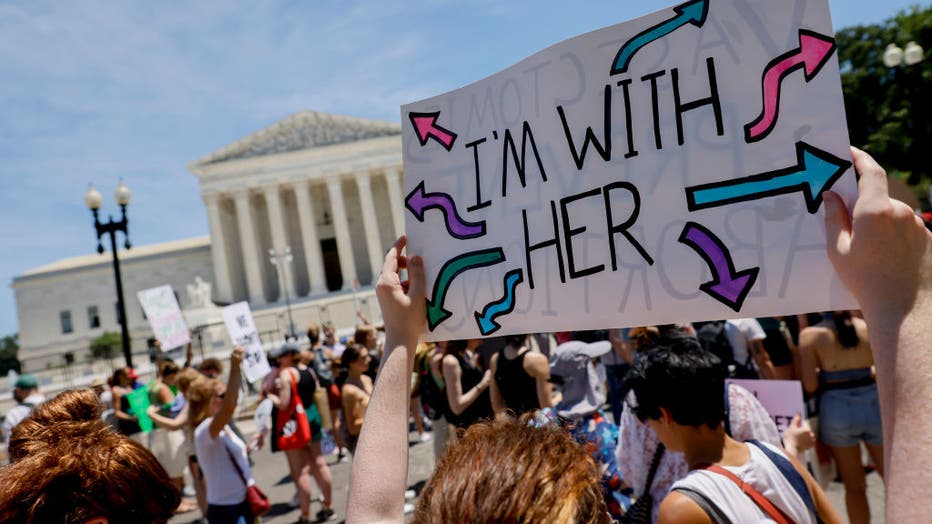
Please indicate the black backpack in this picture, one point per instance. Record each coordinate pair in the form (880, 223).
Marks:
(713, 339)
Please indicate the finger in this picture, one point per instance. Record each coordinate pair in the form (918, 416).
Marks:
(391, 258)
(416, 278)
(837, 225)
(402, 262)
(872, 185)
(797, 421)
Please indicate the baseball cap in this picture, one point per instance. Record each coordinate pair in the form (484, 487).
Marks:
(26, 381)
(132, 373)
(285, 349)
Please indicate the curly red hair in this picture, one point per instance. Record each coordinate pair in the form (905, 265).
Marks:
(70, 467)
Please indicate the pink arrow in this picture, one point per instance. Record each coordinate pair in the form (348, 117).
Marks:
(425, 126)
(812, 53)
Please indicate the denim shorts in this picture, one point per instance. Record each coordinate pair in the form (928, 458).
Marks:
(849, 416)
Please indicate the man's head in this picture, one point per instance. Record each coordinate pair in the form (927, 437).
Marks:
(329, 332)
(25, 385)
(677, 384)
(211, 367)
(365, 336)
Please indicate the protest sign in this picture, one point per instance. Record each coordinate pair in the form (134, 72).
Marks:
(138, 400)
(164, 315)
(664, 169)
(783, 399)
(242, 329)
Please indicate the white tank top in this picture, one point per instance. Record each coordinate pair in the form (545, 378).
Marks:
(760, 473)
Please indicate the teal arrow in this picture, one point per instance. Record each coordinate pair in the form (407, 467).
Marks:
(692, 12)
(451, 268)
(493, 310)
(815, 171)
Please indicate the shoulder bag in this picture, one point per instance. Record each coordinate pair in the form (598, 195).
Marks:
(293, 429)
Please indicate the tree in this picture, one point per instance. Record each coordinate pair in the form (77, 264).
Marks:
(887, 110)
(106, 345)
(9, 347)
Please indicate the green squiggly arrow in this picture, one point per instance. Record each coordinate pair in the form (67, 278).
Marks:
(453, 267)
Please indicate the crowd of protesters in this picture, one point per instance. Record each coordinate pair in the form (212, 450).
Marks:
(633, 425)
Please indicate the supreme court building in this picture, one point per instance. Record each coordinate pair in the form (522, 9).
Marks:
(325, 188)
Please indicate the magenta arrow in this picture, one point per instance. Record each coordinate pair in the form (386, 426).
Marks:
(425, 126)
(727, 286)
(812, 53)
(419, 201)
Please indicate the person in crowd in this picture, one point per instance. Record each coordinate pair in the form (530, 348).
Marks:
(837, 362)
(326, 365)
(883, 254)
(521, 379)
(70, 467)
(420, 365)
(167, 444)
(466, 384)
(178, 419)
(330, 340)
(780, 347)
(27, 397)
(434, 397)
(211, 367)
(746, 337)
(638, 445)
(617, 363)
(680, 392)
(309, 460)
(357, 387)
(221, 454)
(367, 337)
(124, 380)
(577, 367)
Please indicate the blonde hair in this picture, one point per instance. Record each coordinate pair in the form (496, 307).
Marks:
(199, 396)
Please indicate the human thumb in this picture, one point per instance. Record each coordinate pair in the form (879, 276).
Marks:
(837, 226)
(797, 421)
(416, 278)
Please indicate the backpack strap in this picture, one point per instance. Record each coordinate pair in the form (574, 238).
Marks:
(765, 505)
(655, 462)
(792, 476)
(710, 508)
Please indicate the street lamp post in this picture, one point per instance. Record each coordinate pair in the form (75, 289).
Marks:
(276, 259)
(111, 227)
(905, 79)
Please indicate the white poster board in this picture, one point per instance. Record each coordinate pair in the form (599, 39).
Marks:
(164, 315)
(242, 329)
(664, 169)
(783, 399)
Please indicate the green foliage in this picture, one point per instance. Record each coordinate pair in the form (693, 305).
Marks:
(887, 108)
(106, 345)
(9, 347)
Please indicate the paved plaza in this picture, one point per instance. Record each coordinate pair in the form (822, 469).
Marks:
(271, 473)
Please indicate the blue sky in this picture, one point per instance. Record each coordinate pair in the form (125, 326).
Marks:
(96, 91)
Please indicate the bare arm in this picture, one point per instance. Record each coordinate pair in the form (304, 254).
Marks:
(380, 467)
(225, 415)
(883, 255)
(498, 403)
(458, 400)
(168, 422)
(677, 508)
(284, 389)
(823, 505)
(117, 401)
(762, 359)
(537, 366)
(808, 359)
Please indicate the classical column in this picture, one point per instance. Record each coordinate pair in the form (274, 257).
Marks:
(279, 239)
(341, 229)
(396, 201)
(370, 225)
(309, 237)
(252, 256)
(223, 291)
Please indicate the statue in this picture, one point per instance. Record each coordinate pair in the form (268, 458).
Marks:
(199, 294)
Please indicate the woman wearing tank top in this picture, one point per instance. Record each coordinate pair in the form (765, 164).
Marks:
(836, 362)
(521, 379)
(467, 385)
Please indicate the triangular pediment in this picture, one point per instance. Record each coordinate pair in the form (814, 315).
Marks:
(304, 130)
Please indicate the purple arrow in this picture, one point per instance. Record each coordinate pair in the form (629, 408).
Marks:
(419, 201)
(728, 286)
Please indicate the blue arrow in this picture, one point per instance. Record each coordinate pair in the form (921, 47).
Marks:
(486, 319)
(815, 171)
(692, 12)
